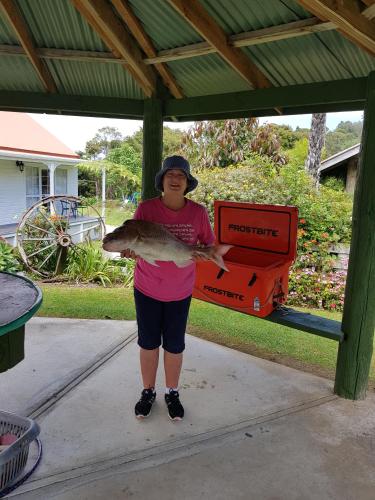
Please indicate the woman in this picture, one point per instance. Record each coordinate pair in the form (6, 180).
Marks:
(163, 293)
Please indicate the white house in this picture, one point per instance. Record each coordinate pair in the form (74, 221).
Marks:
(33, 165)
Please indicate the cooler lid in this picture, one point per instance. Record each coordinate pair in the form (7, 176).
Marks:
(265, 228)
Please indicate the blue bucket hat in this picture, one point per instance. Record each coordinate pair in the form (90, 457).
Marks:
(176, 162)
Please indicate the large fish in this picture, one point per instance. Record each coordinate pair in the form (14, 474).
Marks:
(152, 242)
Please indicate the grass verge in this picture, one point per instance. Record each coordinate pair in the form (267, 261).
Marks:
(248, 334)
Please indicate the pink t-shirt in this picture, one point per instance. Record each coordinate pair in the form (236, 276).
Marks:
(167, 282)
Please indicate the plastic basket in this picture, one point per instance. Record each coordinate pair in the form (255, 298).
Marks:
(13, 459)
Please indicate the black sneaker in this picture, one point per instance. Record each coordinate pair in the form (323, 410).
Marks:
(175, 408)
(143, 407)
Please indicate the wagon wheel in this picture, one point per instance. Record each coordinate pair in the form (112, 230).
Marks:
(54, 227)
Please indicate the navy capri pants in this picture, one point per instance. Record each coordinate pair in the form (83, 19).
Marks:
(161, 321)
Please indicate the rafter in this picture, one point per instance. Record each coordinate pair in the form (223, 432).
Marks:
(246, 39)
(15, 19)
(103, 20)
(349, 21)
(369, 3)
(256, 37)
(369, 12)
(136, 28)
(197, 16)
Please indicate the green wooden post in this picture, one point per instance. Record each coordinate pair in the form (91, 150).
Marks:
(354, 355)
(152, 146)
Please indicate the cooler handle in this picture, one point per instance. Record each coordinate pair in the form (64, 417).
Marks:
(252, 280)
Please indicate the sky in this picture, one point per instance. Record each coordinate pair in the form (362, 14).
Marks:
(75, 131)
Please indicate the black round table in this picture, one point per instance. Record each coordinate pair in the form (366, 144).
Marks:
(20, 298)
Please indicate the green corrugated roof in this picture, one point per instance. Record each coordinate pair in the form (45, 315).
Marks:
(17, 73)
(57, 24)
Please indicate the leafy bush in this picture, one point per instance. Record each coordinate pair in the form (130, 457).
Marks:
(311, 288)
(325, 215)
(8, 259)
(120, 180)
(224, 142)
(324, 220)
(126, 156)
(88, 264)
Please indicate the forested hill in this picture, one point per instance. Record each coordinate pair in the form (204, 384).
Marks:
(346, 134)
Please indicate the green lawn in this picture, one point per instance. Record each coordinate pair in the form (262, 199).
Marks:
(245, 333)
(115, 214)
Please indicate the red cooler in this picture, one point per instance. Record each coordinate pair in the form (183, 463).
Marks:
(264, 241)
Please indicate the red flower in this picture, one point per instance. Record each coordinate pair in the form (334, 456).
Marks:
(302, 221)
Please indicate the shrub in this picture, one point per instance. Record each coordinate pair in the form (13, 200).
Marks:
(324, 220)
(88, 264)
(8, 259)
(324, 215)
(311, 288)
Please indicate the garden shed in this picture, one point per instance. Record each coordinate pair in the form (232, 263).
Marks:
(162, 60)
(342, 165)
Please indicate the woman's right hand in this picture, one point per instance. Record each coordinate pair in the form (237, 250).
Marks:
(128, 254)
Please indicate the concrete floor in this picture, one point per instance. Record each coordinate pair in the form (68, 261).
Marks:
(253, 429)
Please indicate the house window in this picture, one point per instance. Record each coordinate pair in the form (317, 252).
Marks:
(38, 183)
(33, 186)
(45, 182)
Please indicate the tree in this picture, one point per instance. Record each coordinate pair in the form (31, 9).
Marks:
(316, 143)
(120, 181)
(172, 141)
(345, 135)
(225, 142)
(127, 156)
(287, 136)
(105, 139)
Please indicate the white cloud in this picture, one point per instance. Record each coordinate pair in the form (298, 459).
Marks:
(75, 131)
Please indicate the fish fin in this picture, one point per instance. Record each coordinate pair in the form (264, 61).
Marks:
(217, 255)
(150, 261)
(183, 263)
(222, 249)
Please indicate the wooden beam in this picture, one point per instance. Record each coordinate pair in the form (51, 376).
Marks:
(198, 17)
(15, 19)
(369, 3)
(341, 95)
(354, 355)
(103, 20)
(286, 111)
(338, 93)
(63, 54)
(350, 23)
(369, 12)
(257, 37)
(35, 102)
(136, 28)
(266, 35)
(246, 39)
(152, 146)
